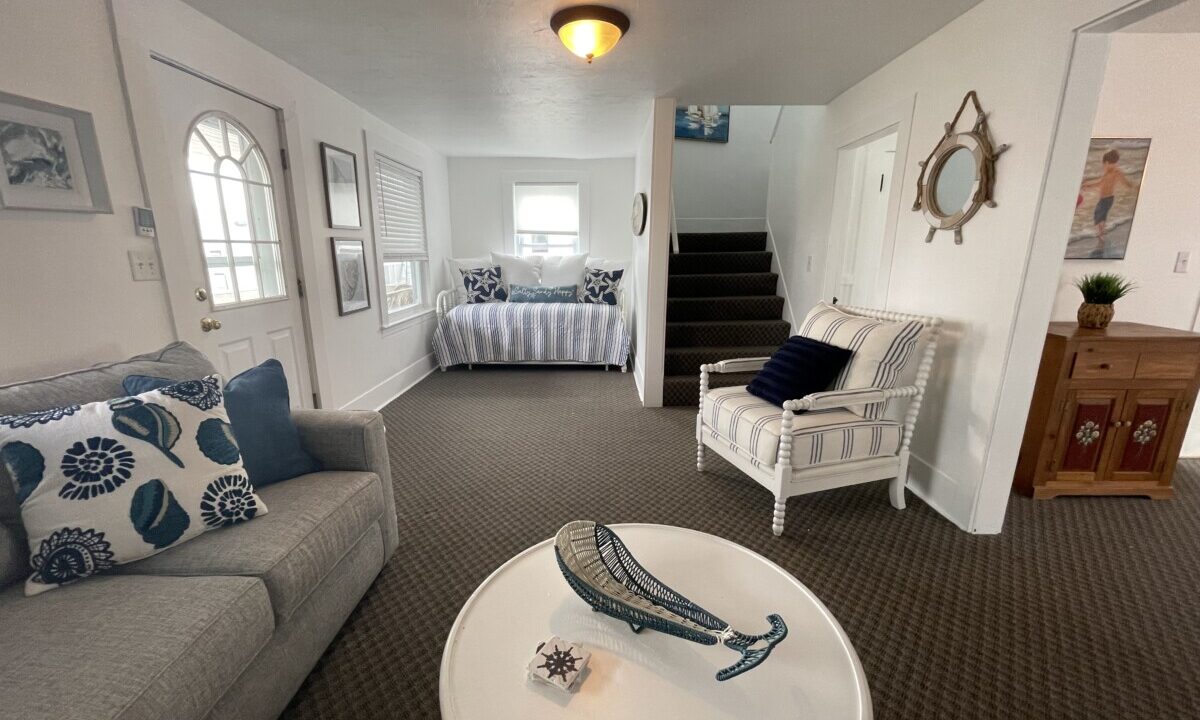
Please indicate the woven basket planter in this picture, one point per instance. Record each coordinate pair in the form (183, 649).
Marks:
(1092, 315)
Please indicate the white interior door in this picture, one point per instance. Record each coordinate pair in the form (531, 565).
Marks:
(857, 267)
(231, 273)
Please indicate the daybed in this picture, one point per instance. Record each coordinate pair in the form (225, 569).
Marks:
(530, 333)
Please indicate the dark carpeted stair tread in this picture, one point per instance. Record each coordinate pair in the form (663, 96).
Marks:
(719, 262)
(685, 389)
(744, 307)
(722, 242)
(729, 333)
(687, 360)
(722, 285)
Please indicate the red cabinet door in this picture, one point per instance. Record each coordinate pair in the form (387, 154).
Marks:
(1089, 419)
(1147, 427)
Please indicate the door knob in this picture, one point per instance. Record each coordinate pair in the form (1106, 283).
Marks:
(208, 324)
(201, 294)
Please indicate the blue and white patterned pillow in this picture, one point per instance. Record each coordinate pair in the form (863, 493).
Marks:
(543, 294)
(600, 286)
(112, 482)
(484, 285)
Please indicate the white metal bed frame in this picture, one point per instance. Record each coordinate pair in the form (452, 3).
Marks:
(785, 482)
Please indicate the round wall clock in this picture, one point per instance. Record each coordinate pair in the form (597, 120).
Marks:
(639, 213)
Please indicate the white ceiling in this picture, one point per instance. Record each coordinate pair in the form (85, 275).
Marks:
(1182, 18)
(489, 77)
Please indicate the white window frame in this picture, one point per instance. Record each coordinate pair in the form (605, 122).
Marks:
(579, 177)
(389, 320)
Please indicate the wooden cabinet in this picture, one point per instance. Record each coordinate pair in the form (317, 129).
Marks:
(1109, 411)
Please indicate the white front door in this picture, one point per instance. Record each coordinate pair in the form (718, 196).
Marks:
(231, 273)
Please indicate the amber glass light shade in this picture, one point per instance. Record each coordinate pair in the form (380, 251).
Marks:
(589, 31)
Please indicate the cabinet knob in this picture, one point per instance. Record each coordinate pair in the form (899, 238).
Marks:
(1104, 366)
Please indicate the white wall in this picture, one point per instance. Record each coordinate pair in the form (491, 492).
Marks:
(652, 175)
(478, 192)
(66, 297)
(357, 364)
(1149, 91)
(723, 186)
(800, 199)
(1014, 53)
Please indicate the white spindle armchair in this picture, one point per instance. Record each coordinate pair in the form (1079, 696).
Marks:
(828, 445)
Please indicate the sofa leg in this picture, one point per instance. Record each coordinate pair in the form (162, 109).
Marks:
(699, 444)
(624, 369)
(777, 516)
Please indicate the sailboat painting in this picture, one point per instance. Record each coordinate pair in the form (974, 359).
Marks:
(709, 123)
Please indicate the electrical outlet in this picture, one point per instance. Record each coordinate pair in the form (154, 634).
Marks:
(143, 264)
(1181, 261)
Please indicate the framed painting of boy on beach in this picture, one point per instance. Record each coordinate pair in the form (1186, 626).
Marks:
(1108, 195)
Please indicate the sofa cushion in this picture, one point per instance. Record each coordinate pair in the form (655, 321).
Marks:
(314, 520)
(177, 361)
(820, 437)
(129, 647)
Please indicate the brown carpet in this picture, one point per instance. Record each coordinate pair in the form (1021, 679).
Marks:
(1082, 608)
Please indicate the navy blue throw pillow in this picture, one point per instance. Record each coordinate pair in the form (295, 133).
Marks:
(600, 286)
(802, 366)
(484, 285)
(543, 294)
(261, 419)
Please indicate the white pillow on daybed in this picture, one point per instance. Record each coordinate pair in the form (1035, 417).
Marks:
(516, 270)
(560, 270)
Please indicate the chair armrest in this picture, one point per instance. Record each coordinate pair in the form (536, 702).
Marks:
(736, 365)
(847, 398)
(356, 441)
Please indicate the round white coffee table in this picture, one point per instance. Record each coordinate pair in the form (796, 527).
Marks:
(813, 673)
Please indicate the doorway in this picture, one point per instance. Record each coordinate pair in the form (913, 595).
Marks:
(858, 263)
(231, 272)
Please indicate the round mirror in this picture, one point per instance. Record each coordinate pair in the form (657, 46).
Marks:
(953, 181)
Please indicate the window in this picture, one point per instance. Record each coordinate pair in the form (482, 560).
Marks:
(235, 213)
(546, 218)
(399, 196)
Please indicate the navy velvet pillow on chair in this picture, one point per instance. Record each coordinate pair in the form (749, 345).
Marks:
(800, 367)
(261, 419)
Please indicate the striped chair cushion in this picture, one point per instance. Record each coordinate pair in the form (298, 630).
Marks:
(820, 437)
(881, 349)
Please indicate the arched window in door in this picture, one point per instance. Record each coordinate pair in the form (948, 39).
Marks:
(235, 212)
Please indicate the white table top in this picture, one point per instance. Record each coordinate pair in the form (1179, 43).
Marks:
(813, 673)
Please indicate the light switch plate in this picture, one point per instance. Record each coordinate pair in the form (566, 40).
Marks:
(1181, 261)
(143, 264)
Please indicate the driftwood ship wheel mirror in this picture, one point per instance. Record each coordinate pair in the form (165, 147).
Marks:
(958, 176)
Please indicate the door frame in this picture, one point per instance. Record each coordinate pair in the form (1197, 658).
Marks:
(896, 117)
(151, 148)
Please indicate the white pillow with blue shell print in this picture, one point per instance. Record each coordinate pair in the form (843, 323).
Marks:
(111, 482)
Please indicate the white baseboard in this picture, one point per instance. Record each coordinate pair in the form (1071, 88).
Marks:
(714, 225)
(393, 387)
(788, 311)
(933, 486)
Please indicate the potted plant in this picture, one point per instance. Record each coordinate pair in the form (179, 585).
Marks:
(1100, 291)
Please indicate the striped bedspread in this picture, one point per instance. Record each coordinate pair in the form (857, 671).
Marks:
(504, 332)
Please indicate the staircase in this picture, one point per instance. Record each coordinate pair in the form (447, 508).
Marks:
(721, 304)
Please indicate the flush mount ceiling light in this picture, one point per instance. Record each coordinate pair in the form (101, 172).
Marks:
(589, 31)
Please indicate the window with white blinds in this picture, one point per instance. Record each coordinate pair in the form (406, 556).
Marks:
(546, 218)
(399, 194)
(400, 197)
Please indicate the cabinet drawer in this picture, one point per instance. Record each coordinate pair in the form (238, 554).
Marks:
(1167, 365)
(1104, 365)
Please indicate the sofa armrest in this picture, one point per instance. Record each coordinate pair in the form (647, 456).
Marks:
(737, 365)
(354, 440)
(848, 398)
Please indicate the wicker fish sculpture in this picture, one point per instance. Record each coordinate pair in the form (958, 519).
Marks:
(602, 571)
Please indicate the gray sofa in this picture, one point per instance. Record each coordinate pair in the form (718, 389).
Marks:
(224, 626)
